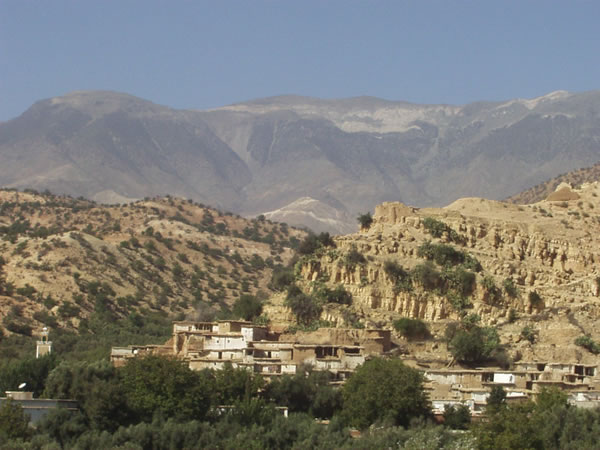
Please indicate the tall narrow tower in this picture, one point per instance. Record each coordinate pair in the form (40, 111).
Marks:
(44, 346)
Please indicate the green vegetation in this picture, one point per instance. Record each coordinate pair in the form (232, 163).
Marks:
(14, 424)
(457, 417)
(510, 288)
(411, 328)
(588, 343)
(353, 258)
(384, 391)
(437, 228)
(470, 343)
(305, 307)
(400, 277)
(535, 300)
(365, 220)
(313, 242)
(549, 422)
(447, 256)
(337, 295)
(247, 307)
(529, 334)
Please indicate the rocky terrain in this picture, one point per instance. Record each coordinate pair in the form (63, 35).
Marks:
(539, 270)
(64, 261)
(541, 191)
(271, 155)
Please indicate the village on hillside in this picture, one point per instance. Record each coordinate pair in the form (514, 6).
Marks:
(212, 345)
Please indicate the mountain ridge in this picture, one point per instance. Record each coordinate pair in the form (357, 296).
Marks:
(259, 156)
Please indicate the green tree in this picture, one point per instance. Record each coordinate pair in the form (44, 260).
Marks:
(384, 390)
(98, 390)
(247, 307)
(457, 417)
(304, 307)
(14, 423)
(470, 343)
(365, 220)
(305, 392)
(411, 328)
(155, 384)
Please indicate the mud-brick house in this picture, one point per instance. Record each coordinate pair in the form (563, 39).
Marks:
(243, 344)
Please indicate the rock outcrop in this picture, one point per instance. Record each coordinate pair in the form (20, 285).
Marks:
(549, 252)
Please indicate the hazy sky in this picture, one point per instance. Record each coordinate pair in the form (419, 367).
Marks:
(202, 54)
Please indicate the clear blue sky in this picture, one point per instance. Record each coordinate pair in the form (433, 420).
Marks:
(203, 54)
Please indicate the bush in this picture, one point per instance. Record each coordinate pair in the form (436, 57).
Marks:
(14, 423)
(447, 256)
(528, 333)
(304, 307)
(248, 307)
(510, 288)
(282, 277)
(437, 228)
(365, 220)
(411, 328)
(337, 295)
(399, 276)
(588, 343)
(460, 281)
(489, 285)
(457, 417)
(427, 276)
(313, 242)
(535, 300)
(352, 258)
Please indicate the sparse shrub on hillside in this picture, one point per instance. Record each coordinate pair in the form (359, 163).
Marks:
(411, 328)
(313, 242)
(247, 307)
(427, 276)
(365, 220)
(183, 258)
(337, 295)
(459, 280)
(353, 258)
(437, 228)
(68, 310)
(303, 306)
(397, 274)
(492, 293)
(447, 256)
(45, 318)
(281, 278)
(588, 343)
(528, 333)
(26, 291)
(535, 300)
(510, 288)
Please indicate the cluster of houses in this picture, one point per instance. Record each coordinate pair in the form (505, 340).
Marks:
(257, 348)
(526, 379)
(211, 345)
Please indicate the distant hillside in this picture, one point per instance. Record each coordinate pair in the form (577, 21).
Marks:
(72, 264)
(266, 155)
(541, 191)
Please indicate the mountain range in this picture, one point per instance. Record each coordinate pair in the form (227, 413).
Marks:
(303, 160)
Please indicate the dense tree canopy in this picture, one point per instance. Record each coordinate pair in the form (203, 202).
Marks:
(384, 390)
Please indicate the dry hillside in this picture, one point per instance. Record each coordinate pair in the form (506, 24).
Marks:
(540, 191)
(538, 271)
(64, 259)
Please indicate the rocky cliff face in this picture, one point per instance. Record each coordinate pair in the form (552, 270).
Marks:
(548, 251)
